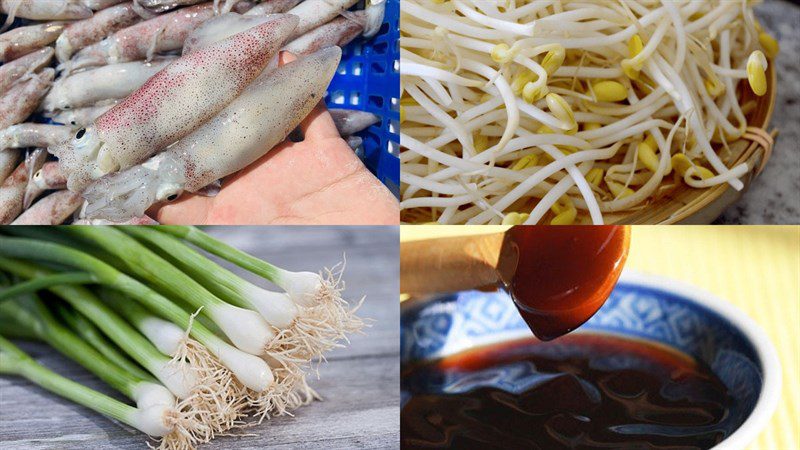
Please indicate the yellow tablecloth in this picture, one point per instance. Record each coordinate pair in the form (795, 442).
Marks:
(755, 268)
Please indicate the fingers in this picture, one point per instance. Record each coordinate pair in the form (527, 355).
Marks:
(319, 125)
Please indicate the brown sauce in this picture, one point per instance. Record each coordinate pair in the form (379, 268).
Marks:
(587, 391)
(565, 274)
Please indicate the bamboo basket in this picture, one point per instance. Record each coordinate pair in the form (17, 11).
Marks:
(688, 206)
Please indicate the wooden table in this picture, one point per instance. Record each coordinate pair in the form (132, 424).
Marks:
(359, 384)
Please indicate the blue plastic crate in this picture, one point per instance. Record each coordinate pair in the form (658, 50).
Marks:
(368, 79)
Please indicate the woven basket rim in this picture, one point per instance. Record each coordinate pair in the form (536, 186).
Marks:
(752, 152)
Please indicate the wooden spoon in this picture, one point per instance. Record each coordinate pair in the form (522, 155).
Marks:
(558, 276)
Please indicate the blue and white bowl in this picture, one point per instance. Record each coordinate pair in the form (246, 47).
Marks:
(641, 306)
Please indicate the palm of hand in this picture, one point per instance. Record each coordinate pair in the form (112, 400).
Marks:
(317, 181)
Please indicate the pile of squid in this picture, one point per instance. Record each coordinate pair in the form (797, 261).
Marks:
(151, 98)
(572, 111)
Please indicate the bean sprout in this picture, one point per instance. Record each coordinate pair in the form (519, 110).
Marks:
(561, 111)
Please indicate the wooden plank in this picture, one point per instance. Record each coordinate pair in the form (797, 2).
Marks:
(359, 384)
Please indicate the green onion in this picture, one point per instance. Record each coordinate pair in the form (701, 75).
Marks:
(14, 361)
(89, 333)
(248, 369)
(176, 376)
(313, 325)
(245, 328)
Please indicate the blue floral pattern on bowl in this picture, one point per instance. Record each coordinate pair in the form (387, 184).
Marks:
(452, 323)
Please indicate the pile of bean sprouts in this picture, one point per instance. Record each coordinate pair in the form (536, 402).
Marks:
(563, 111)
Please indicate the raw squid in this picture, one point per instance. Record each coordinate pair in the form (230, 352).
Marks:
(39, 135)
(48, 177)
(375, 10)
(81, 117)
(171, 104)
(92, 86)
(272, 7)
(141, 41)
(23, 40)
(339, 31)
(12, 190)
(45, 9)
(86, 32)
(143, 220)
(97, 5)
(313, 13)
(51, 210)
(8, 161)
(351, 121)
(17, 69)
(222, 27)
(165, 5)
(23, 98)
(354, 142)
(248, 128)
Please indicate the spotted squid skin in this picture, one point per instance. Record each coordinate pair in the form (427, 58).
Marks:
(39, 135)
(340, 31)
(51, 210)
(24, 40)
(46, 10)
(172, 103)
(257, 120)
(86, 32)
(167, 31)
(272, 7)
(222, 27)
(23, 98)
(89, 87)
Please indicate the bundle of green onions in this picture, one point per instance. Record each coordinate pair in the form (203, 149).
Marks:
(197, 348)
(567, 111)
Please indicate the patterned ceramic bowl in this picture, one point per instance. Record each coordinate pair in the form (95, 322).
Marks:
(647, 307)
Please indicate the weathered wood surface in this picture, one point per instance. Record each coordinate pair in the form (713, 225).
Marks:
(359, 384)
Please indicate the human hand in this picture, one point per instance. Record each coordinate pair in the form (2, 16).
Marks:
(317, 181)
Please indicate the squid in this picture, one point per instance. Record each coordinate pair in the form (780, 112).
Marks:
(81, 34)
(272, 7)
(49, 177)
(26, 65)
(45, 10)
(313, 13)
(222, 27)
(340, 31)
(23, 98)
(141, 41)
(23, 40)
(81, 117)
(12, 191)
(92, 86)
(351, 121)
(39, 135)
(51, 210)
(171, 104)
(260, 118)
